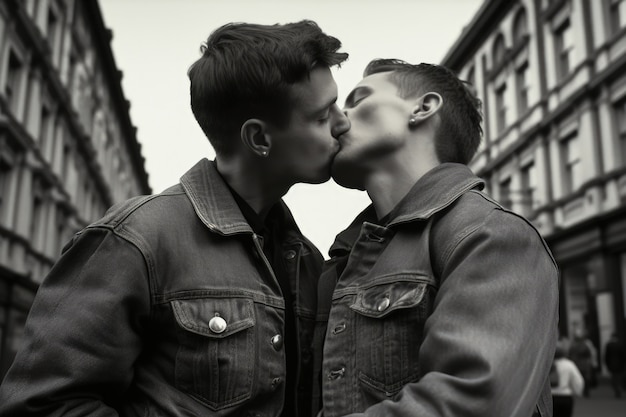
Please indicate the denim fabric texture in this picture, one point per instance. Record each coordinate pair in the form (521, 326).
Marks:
(166, 307)
(449, 309)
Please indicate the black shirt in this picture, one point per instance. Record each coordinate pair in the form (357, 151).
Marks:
(272, 231)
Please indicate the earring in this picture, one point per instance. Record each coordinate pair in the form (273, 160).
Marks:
(264, 153)
(412, 121)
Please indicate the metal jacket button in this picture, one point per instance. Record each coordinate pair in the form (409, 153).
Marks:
(276, 382)
(339, 328)
(337, 373)
(383, 304)
(217, 324)
(277, 342)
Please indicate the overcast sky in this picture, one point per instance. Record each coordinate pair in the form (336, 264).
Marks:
(155, 42)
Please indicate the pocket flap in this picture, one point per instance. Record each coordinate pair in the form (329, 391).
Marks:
(214, 317)
(380, 300)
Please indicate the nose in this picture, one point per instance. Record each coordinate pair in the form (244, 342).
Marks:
(341, 125)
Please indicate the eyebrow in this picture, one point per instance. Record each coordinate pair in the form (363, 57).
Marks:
(350, 99)
(325, 107)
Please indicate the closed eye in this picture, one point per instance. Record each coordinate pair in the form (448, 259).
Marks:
(356, 96)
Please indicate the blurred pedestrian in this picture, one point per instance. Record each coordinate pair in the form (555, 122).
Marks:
(567, 383)
(615, 360)
(564, 342)
(582, 356)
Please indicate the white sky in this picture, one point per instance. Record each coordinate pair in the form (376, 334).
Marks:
(155, 42)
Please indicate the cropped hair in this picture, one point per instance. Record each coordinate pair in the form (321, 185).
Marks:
(247, 71)
(459, 133)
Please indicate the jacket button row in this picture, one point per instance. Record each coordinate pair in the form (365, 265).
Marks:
(277, 342)
(337, 373)
(290, 254)
(217, 324)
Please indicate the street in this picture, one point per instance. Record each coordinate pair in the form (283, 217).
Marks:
(601, 403)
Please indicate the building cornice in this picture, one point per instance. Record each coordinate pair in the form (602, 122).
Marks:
(103, 37)
(474, 34)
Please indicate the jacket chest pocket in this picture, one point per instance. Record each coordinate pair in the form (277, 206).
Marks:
(389, 327)
(216, 357)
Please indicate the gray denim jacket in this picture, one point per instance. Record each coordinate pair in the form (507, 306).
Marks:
(450, 309)
(166, 307)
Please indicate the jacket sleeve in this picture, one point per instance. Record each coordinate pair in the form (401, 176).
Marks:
(83, 332)
(490, 341)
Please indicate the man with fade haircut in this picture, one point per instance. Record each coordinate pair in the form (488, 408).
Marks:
(199, 300)
(436, 301)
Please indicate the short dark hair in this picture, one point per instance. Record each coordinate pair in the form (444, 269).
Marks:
(459, 133)
(246, 71)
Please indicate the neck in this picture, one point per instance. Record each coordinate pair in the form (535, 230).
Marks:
(247, 179)
(391, 183)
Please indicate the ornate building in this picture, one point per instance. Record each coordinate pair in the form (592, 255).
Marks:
(68, 149)
(552, 77)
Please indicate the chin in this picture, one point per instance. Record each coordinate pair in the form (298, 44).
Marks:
(347, 180)
(318, 179)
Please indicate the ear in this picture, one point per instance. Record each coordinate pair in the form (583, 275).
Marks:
(255, 138)
(425, 106)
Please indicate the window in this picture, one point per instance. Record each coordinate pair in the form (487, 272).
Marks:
(45, 128)
(62, 228)
(505, 193)
(564, 39)
(471, 81)
(501, 108)
(520, 26)
(618, 14)
(65, 161)
(521, 75)
(54, 32)
(529, 188)
(14, 81)
(37, 223)
(5, 178)
(620, 117)
(572, 166)
(499, 50)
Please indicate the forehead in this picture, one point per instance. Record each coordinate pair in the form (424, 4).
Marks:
(379, 82)
(316, 92)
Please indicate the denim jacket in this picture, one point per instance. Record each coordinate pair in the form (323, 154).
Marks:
(449, 309)
(166, 307)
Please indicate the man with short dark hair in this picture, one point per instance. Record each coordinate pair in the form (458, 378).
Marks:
(438, 301)
(200, 300)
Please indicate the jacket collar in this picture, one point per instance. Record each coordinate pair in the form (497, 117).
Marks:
(433, 192)
(215, 205)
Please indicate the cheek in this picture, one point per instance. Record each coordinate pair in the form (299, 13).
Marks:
(308, 146)
(365, 114)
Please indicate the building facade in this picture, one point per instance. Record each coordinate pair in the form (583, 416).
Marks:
(68, 149)
(552, 78)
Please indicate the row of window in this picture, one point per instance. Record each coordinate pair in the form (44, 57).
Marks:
(24, 90)
(63, 158)
(511, 104)
(525, 197)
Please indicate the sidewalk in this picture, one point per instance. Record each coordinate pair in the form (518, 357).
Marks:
(601, 403)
